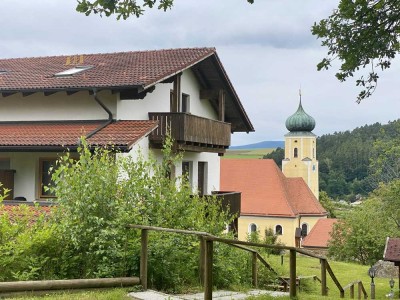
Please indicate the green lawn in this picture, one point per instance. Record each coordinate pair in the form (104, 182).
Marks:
(110, 294)
(248, 153)
(345, 272)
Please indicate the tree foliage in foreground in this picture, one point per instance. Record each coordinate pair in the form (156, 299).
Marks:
(85, 236)
(363, 35)
(123, 8)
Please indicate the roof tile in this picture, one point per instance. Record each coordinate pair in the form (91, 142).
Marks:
(123, 69)
(320, 234)
(68, 133)
(265, 189)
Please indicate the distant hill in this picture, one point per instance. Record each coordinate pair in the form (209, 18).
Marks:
(260, 145)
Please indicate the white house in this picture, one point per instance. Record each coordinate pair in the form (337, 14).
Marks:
(128, 99)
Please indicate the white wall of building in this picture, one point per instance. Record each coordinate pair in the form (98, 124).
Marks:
(159, 101)
(58, 106)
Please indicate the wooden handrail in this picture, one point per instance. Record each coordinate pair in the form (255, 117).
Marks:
(206, 249)
(361, 289)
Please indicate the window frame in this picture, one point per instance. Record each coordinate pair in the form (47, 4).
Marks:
(40, 185)
(250, 227)
(276, 232)
(307, 231)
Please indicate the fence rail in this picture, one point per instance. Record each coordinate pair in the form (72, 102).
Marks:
(206, 261)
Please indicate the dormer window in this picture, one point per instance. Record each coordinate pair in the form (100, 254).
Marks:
(73, 71)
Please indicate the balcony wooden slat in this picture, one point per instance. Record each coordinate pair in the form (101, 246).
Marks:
(193, 131)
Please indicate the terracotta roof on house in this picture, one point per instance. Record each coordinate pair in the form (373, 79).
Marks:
(265, 189)
(392, 250)
(17, 209)
(62, 134)
(123, 69)
(319, 235)
(130, 73)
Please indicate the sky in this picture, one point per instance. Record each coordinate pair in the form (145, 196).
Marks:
(266, 48)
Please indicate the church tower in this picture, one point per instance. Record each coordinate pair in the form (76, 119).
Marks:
(300, 149)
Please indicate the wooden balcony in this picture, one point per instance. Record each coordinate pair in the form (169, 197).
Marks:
(191, 133)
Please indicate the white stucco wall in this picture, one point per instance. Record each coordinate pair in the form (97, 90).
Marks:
(159, 101)
(26, 176)
(58, 106)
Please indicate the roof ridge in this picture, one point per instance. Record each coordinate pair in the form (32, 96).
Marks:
(213, 49)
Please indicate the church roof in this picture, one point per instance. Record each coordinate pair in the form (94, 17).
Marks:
(320, 234)
(300, 121)
(266, 191)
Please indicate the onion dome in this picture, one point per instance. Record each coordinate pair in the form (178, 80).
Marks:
(300, 121)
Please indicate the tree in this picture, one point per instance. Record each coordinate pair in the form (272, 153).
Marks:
(361, 34)
(277, 155)
(389, 195)
(361, 234)
(327, 203)
(123, 8)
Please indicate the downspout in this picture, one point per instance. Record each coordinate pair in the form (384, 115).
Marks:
(109, 120)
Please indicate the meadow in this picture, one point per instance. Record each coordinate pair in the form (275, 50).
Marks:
(310, 289)
(248, 153)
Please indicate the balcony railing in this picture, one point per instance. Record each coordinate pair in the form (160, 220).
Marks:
(191, 132)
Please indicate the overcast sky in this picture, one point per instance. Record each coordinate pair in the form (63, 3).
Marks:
(266, 48)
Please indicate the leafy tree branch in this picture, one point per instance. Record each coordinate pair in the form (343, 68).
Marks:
(362, 35)
(123, 8)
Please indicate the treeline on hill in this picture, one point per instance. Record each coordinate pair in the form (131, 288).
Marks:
(349, 161)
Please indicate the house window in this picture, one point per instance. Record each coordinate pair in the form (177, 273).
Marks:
(278, 230)
(295, 152)
(45, 172)
(185, 103)
(73, 71)
(187, 171)
(252, 228)
(202, 177)
(304, 230)
(4, 163)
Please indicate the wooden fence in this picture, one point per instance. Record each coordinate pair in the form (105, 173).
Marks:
(206, 261)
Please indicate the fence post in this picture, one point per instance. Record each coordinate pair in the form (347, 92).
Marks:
(293, 290)
(359, 289)
(208, 280)
(202, 259)
(324, 290)
(254, 269)
(352, 291)
(143, 259)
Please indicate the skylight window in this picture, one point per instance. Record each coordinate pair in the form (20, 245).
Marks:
(73, 71)
(3, 71)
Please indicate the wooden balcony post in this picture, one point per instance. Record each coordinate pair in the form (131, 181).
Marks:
(324, 290)
(293, 290)
(176, 97)
(254, 269)
(144, 259)
(208, 270)
(221, 105)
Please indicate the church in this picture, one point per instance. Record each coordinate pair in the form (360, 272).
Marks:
(285, 201)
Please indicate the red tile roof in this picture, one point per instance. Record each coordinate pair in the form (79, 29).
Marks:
(60, 134)
(266, 191)
(123, 69)
(319, 235)
(19, 210)
(392, 250)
